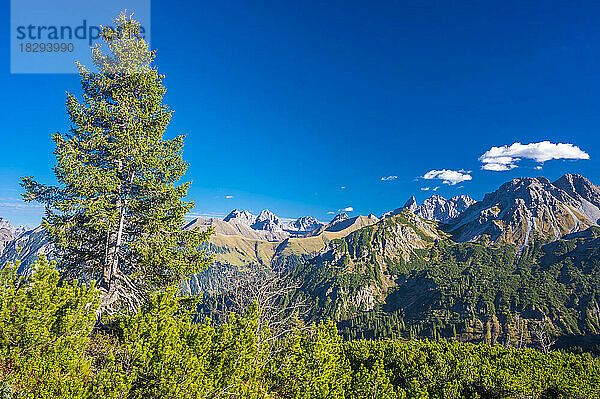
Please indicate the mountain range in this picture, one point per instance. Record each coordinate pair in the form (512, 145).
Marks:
(527, 255)
(526, 209)
(518, 212)
(436, 207)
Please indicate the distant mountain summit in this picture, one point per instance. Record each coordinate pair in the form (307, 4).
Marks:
(305, 224)
(266, 226)
(339, 218)
(242, 217)
(268, 221)
(9, 232)
(411, 204)
(436, 207)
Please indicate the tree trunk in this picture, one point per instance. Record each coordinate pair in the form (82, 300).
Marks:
(111, 273)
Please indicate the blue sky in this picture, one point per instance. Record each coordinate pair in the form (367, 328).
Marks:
(285, 103)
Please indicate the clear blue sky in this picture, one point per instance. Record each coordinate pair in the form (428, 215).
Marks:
(285, 103)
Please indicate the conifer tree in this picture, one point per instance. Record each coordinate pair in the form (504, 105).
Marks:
(117, 213)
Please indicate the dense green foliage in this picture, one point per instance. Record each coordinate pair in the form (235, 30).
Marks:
(44, 333)
(46, 350)
(465, 291)
(117, 213)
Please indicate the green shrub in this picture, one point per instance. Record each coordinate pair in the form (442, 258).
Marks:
(44, 329)
(47, 350)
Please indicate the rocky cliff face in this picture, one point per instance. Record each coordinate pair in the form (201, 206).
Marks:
(6, 236)
(27, 247)
(579, 188)
(436, 207)
(411, 204)
(9, 232)
(241, 217)
(441, 209)
(526, 208)
(303, 225)
(267, 220)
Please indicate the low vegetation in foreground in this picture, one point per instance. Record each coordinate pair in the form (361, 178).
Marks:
(49, 348)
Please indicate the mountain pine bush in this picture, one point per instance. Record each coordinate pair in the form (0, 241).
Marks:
(49, 349)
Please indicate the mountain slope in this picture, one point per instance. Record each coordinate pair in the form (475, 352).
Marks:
(27, 247)
(522, 210)
(404, 278)
(353, 273)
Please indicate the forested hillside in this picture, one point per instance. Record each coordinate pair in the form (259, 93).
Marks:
(431, 287)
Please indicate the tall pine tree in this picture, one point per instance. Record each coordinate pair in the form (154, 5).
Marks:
(118, 211)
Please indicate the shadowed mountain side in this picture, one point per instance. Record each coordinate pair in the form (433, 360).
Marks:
(27, 248)
(341, 224)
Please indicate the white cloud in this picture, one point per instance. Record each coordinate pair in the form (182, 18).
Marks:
(435, 188)
(506, 157)
(229, 196)
(331, 213)
(342, 187)
(539, 167)
(497, 167)
(346, 209)
(388, 178)
(448, 176)
(424, 188)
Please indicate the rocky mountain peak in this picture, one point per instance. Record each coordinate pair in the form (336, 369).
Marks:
(240, 217)
(266, 214)
(525, 208)
(441, 209)
(9, 232)
(411, 204)
(303, 224)
(267, 220)
(463, 200)
(5, 224)
(339, 218)
(578, 186)
(436, 207)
